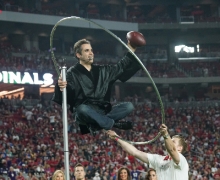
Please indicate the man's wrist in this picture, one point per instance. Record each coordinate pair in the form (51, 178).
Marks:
(166, 136)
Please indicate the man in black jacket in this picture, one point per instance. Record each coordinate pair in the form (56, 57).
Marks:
(89, 90)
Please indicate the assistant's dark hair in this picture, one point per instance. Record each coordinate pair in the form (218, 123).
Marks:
(78, 46)
(182, 142)
(119, 172)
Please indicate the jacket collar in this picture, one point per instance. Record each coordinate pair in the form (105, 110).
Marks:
(93, 75)
(81, 68)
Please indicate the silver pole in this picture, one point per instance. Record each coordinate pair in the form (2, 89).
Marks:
(65, 128)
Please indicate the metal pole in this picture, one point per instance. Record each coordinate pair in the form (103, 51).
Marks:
(65, 128)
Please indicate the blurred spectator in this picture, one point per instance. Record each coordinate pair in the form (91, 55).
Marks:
(97, 177)
(12, 174)
(58, 175)
(20, 176)
(206, 72)
(217, 174)
(123, 174)
(135, 174)
(151, 175)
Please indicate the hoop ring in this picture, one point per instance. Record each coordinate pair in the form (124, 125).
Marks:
(142, 65)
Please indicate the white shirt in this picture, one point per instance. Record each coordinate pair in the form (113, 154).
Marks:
(96, 178)
(16, 170)
(52, 119)
(168, 169)
(28, 115)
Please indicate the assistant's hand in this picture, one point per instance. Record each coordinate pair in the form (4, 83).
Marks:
(133, 49)
(62, 84)
(163, 130)
(112, 134)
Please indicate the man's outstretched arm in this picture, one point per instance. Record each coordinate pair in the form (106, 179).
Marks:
(130, 149)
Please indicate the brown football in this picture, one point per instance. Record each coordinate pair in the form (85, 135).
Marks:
(136, 39)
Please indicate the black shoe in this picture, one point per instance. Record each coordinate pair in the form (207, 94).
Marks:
(92, 131)
(125, 125)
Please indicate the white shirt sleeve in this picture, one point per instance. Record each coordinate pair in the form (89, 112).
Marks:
(153, 160)
(182, 164)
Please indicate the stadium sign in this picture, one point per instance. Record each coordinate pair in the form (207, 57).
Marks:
(25, 78)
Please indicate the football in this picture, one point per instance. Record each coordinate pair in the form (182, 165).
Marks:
(136, 39)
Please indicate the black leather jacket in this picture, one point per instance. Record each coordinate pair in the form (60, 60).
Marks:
(94, 86)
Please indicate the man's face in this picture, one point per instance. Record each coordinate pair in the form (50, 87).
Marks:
(179, 148)
(86, 57)
(79, 173)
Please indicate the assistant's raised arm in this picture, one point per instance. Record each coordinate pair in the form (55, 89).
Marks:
(169, 144)
(130, 149)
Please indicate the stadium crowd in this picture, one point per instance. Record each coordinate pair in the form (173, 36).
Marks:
(134, 13)
(31, 141)
(154, 58)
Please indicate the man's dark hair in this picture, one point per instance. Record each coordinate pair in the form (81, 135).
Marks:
(78, 165)
(77, 46)
(182, 142)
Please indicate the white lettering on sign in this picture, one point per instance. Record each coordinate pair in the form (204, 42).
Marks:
(27, 78)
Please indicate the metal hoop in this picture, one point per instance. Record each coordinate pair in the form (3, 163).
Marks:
(143, 67)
